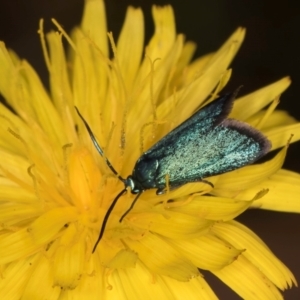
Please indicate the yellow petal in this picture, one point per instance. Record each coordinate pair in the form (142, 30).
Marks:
(28, 240)
(92, 287)
(283, 195)
(165, 32)
(61, 90)
(15, 277)
(208, 252)
(258, 99)
(41, 277)
(196, 288)
(130, 46)
(12, 214)
(94, 23)
(8, 141)
(89, 59)
(123, 284)
(179, 78)
(237, 37)
(195, 68)
(280, 135)
(60, 86)
(172, 224)
(192, 96)
(41, 107)
(84, 178)
(256, 252)
(15, 165)
(168, 262)
(89, 79)
(213, 208)
(26, 94)
(14, 194)
(7, 71)
(248, 281)
(232, 183)
(276, 119)
(69, 258)
(123, 259)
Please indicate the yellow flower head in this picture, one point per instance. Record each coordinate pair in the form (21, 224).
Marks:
(55, 188)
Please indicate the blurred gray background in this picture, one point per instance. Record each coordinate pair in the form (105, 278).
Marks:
(271, 51)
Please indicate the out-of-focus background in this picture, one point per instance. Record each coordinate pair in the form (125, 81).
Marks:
(270, 52)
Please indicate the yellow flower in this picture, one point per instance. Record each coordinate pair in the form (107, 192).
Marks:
(55, 188)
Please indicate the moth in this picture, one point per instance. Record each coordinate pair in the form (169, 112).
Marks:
(206, 144)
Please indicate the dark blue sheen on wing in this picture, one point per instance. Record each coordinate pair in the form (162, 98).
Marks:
(205, 145)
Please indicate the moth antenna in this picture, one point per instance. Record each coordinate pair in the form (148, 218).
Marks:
(108, 212)
(131, 206)
(97, 146)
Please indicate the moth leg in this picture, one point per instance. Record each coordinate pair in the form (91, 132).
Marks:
(207, 182)
(162, 189)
